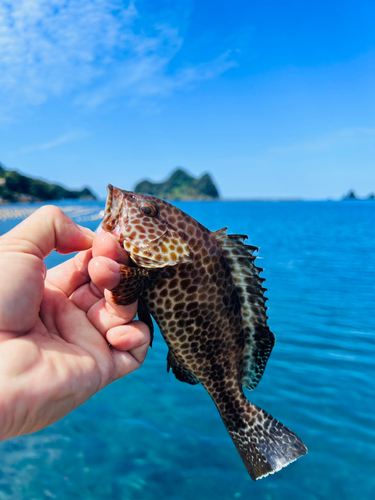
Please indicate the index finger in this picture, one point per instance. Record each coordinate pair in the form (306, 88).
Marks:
(72, 273)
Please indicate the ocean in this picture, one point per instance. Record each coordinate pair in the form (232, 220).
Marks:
(149, 436)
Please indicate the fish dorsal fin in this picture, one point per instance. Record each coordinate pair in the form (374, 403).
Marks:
(221, 232)
(259, 340)
(181, 373)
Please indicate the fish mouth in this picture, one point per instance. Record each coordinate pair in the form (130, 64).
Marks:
(113, 211)
(108, 203)
(116, 217)
(116, 212)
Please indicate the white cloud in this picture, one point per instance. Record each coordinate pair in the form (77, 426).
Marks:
(93, 49)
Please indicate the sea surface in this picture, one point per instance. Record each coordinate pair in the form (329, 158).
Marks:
(149, 436)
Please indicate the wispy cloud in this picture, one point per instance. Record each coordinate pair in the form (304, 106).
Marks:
(148, 77)
(94, 50)
(355, 135)
(58, 141)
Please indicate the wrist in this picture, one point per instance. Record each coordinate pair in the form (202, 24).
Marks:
(15, 386)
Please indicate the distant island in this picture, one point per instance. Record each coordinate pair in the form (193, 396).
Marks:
(352, 196)
(18, 188)
(181, 186)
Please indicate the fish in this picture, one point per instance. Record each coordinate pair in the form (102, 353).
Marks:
(205, 293)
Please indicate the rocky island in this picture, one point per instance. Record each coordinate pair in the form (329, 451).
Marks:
(352, 196)
(181, 186)
(19, 188)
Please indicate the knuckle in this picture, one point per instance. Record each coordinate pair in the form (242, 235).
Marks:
(81, 264)
(50, 211)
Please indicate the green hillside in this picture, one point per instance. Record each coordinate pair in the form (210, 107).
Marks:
(16, 187)
(181, 186)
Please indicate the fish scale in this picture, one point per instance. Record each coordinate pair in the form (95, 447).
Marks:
(204, 292)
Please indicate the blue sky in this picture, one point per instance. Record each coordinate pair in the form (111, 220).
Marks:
(274, 99)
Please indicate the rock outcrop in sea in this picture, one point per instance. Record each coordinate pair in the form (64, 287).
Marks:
(19, 188)
(352, 196)
(181, 186)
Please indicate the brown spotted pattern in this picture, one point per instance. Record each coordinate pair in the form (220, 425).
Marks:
(149, 239)
(211, 313)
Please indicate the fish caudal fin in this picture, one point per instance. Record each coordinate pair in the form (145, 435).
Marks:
(264, 444)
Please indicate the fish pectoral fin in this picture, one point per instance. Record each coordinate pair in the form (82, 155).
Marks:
(145, 316)
(180, 371)
(134, 281)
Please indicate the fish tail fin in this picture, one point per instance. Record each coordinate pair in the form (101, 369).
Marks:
(264, 444)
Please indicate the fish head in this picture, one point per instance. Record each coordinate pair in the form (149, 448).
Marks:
(140, 222)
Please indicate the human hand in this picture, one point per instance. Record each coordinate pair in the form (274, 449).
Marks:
(55, 327)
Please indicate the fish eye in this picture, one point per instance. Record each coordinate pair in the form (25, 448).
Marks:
(148, 208)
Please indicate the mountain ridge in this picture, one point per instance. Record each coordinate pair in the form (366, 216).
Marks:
(181, 186)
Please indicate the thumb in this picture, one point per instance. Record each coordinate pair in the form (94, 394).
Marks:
(50, 229)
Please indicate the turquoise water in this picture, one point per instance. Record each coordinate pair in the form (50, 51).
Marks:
(149, 436)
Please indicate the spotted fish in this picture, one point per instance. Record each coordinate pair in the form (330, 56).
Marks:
(204, 291)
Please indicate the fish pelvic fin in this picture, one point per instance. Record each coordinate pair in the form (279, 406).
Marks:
(264, 444)
(180, 371)
(145, 316)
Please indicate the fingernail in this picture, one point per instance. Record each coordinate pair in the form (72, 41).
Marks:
(95, 290)
(113, 272)
(113, 265)
(99, 229)
(86, 231)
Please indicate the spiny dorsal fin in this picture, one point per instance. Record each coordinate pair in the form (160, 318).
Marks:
(181, 373)
(221, 232)
(259, 340)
